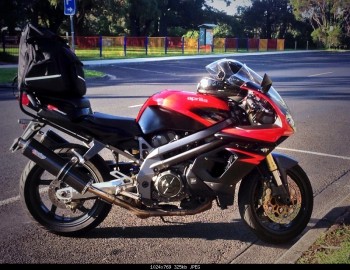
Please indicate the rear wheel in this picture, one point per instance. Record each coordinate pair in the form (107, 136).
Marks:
(38, 193)
(269, 218)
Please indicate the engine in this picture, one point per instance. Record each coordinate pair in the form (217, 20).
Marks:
(163, 138)
(168, 187)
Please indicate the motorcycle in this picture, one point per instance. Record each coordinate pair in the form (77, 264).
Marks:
(183, 152)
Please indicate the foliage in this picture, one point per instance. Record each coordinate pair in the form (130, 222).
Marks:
(99, 17)
(268, 18)
(330, 19)
(141, 16)
(222, 30)
(192, 34)
(176, 31)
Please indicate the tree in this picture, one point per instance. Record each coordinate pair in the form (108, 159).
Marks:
(176, 14)
(330, 19)
(96, 17)
(18, 13)
(267, 18)
(141, 16)
(9, 15)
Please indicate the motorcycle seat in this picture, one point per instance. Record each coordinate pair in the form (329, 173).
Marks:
(73, 108)
(69, 103)
(117, 126)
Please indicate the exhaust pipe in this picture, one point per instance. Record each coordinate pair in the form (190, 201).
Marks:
(65, 171)
(55, 165)
(143, 214)
(62, 169)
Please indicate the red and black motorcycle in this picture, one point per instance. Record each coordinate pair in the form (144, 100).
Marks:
(183, 151)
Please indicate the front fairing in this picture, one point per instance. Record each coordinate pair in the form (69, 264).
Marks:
(280, 103)
(248, 75)
(239, 75)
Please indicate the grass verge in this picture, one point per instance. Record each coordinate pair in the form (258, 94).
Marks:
(7, 75)
(332, 247)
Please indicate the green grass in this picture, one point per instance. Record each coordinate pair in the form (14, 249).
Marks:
(332, 247)
(89, 73)
(8, 74)
(340, 256)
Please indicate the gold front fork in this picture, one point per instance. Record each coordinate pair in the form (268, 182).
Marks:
(274, 169)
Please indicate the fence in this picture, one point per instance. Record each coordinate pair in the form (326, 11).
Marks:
(123, 46)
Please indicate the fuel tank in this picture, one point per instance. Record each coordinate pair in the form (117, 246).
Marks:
(181, 111)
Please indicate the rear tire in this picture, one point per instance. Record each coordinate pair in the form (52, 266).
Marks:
(269, 219)
(37, 193)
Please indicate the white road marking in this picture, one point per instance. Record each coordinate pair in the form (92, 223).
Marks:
(313, 153)
(319, 74)
(135, 106)
(158, 72)
(147, 70)
(16, 198)
(8, 201)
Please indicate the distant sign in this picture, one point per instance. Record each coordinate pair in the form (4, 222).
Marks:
(209, 38)
(69, 7)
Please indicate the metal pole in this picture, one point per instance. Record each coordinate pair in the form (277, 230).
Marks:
(72, 31)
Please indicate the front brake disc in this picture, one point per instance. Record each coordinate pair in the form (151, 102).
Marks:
(277, 211)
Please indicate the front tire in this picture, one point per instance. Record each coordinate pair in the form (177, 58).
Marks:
(37, 193)
(271, 220)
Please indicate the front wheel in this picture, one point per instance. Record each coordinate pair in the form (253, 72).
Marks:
(269, 218)
(38, 193)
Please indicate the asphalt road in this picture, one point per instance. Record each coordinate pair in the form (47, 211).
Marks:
(315, 86)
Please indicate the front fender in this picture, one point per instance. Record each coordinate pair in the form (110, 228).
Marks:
(284, 163)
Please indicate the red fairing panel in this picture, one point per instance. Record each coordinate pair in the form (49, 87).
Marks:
(271, 133)
(248, 157)
(185, 103)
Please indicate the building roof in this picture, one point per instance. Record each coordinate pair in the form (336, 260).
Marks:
(207, 25)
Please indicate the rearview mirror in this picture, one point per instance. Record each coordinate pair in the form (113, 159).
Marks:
(266, 83)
